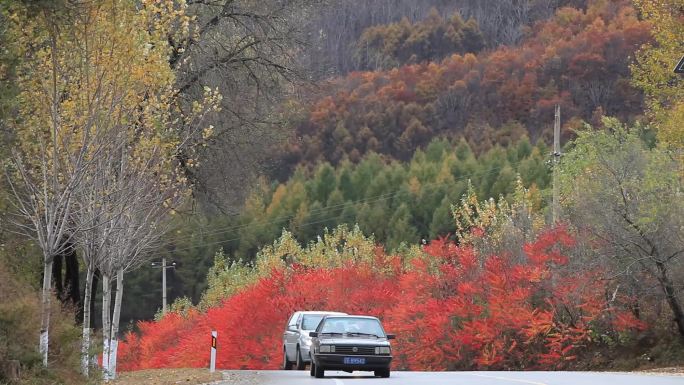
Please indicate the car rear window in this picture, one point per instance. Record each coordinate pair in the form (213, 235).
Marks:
(310, 322)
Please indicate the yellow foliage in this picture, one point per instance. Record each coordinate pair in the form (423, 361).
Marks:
(97, 71)
(492, 224)
(335, 249)
(414, 185)
(653, 70)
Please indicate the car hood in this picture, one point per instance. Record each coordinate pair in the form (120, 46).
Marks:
(354, 341)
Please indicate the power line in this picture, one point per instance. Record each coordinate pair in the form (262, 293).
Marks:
(238, 238)
(278, 219)
(372, 199)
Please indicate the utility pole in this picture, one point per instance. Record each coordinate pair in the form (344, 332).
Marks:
(556, 160)
(164, 285)
(163, 266)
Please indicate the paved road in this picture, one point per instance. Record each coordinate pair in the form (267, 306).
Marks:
(464, 378)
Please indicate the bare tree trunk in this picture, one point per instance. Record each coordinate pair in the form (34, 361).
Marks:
(93, 297)
(57, 278)
(65, 280)
(85, 343)
(71, 283)
(672, 300)
(114, 340)
(106, 325)
(45, 311)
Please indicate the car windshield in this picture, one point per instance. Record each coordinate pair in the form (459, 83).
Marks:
(310, 322)
(352, 325)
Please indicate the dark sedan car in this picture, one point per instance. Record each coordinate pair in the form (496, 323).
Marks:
(350, 343)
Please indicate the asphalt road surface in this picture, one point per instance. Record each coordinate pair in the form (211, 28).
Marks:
(464, 378)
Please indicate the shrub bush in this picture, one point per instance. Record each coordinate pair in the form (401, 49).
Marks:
(19, 326)
(451, 309)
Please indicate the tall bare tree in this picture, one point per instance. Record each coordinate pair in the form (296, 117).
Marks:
(98, 204)
(251, 52)
(142, 211)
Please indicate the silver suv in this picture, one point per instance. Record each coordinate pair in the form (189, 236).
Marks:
(296, 340)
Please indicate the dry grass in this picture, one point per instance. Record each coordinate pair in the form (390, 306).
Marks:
(670, 371)
(167, 377)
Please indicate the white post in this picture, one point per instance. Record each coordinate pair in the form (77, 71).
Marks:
(212, 362)
(164, 286)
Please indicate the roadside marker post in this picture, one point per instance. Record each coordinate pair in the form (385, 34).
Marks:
(212, 364)
(679, 69)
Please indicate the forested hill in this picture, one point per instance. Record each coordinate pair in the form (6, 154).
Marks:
(336, 30)
(353, 157)
(578, 58)
(383, 157)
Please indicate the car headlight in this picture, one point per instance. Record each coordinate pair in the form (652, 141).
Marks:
(327, 349)
(382, 350)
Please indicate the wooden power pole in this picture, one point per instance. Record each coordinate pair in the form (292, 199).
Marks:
(556, 160)
(163, 267)
(164, 286)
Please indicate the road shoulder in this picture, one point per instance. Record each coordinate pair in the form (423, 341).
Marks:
(241, 377)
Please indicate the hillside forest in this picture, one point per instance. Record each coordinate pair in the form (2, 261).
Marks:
(385, 158)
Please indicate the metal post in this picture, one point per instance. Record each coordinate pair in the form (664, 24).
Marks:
(212, 361)
(164, 286)
(556, 160)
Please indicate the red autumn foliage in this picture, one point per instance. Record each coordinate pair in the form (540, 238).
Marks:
(451, 309)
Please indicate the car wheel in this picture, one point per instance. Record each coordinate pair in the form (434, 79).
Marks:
(319, 372)
(312, 370)
(287, 365)
(384, 373)
(300, 365)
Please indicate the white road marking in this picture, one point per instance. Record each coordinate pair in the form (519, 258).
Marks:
(338, 382)
(507, 379)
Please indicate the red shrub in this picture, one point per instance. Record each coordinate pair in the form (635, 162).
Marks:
(450, 308)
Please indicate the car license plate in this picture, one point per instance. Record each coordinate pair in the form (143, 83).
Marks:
(354, 360)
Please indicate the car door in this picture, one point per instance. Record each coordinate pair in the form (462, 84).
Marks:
(291, 335)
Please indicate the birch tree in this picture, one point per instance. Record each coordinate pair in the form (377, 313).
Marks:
(141, 221)
(146, 185)
(96, 216)
(131, 185)
(96, 95)
(57, 136)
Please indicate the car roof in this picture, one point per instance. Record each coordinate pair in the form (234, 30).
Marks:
(352, 316)
(322, 312)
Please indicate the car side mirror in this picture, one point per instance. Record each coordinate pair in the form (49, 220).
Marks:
(292, 328)
(313, 334)
(391, 336)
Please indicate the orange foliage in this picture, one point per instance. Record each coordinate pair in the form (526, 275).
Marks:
(577, 58)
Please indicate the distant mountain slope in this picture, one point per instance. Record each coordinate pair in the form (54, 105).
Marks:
(578, 58)
(335, 30)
